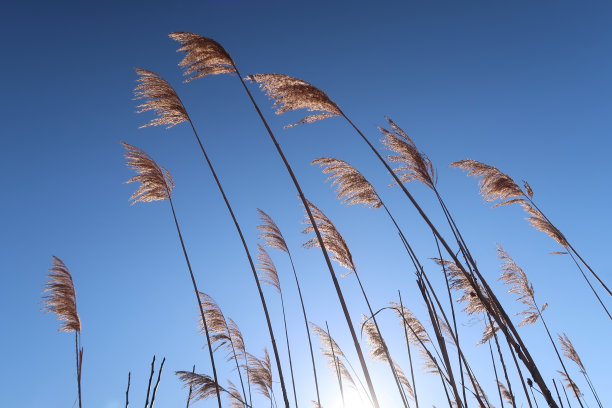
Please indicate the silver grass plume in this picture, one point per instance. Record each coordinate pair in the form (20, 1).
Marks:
(203, 56)
(290, 94)
(570, 384)
(260, 371)
(541, 223)
(233, 395)
(333, 241)
(489, 331)
(417, 334)
(202, 386)
(215, 321)
(155, 181)
(494, 185)
(59, 297)
(332, 352)
(267, 270)
(351, 186)
(458, 281)
(237, 338)
(270, 233)
(570, 352)
(378, 353)
(516, 278)
(506, 395)
(160, 98)
(414, 165)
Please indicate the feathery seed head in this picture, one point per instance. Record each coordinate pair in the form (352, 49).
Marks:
(267, 270)
(414, 165)
(155, 182)
(570, 385)
(570, 352)
(202, 385)
(160, 98)
(541, 223)
(494, 185)
(203, 56)
(270, 233)
(59, 297)
(351, 186)
(290, 94)
(332, 353)
(333, 241)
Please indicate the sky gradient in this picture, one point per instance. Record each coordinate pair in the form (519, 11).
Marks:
(523, 86)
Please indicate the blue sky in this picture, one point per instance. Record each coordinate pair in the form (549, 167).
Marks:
(524, 86)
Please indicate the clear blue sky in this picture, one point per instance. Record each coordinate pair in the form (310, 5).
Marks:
(525, 86)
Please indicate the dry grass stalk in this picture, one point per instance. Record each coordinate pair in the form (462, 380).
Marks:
(203, 56)
(290, 94)
(155, 182)
(333, 241)
(516, 278)
(160, 98)
(414, 165)
(60, 297)
(351, 186)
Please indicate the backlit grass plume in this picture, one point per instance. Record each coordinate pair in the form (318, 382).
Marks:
(59, 297)
(261, 374)
(414, 165)
(333, 241)
(516, 278)
(155, 182)
(203, 56)
(203, 387)
(494, 185)
(270, 233)
(160, 98)
(351, 186)
(570, 352)
(290, 94)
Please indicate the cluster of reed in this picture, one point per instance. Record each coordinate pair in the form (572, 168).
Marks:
(437, 340)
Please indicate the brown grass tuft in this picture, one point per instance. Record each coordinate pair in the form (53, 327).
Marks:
(159, 97)
(60, 297)
(290, 94)
(155, 182)
(270, 233)
(203, 56)
(351, 186)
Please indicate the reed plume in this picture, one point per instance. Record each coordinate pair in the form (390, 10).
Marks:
(196, 48)
(221, 334)
(334, 355)
(513, 276)
(351, 187)
(156, 185)
(570, 352)
(571, 385)
(291, 94)
(414, 165)
(269, 275)
(261, 374)
(204, 56)
(202, 387)
(59, 297)
(160, 98)
(272, 237)
(507, 395)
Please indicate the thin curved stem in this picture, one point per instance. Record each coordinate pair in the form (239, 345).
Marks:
(196, 291)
